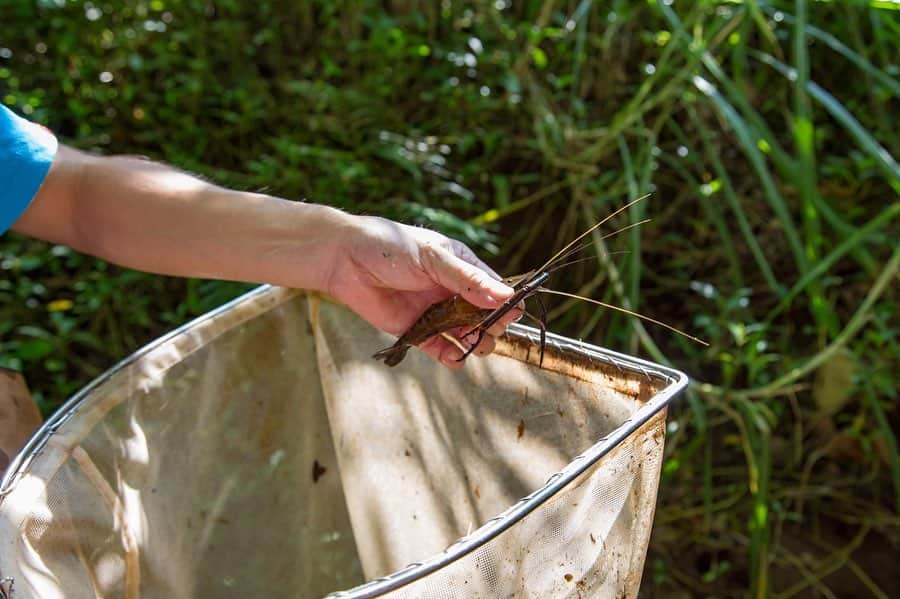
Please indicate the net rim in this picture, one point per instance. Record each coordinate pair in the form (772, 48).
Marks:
(265, 297)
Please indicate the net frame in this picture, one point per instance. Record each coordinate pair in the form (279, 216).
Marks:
(653, 406)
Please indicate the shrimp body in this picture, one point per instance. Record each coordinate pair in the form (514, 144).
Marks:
(451, 313)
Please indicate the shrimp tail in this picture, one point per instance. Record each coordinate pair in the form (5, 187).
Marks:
(394, 354)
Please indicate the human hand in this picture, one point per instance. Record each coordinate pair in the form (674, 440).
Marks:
(390, 273)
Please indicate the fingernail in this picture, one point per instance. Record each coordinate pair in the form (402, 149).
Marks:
(452, 357)
(497, 291)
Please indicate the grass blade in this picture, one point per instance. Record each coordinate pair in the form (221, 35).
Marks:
(758, 432)
(634, 268)
(580, 18)
(805, 179)
(890, 440)
(891, 84)
(735, 205)
(780, 157)
(866, 142)
(747, 140)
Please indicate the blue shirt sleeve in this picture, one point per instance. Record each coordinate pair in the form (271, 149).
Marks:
(26, 152)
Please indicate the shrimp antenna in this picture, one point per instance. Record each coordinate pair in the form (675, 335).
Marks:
(629, 312)
(588, 244)
(556, 267)
(589, 231)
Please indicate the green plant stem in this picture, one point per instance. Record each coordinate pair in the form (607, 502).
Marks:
(850, 330)
(858, 237)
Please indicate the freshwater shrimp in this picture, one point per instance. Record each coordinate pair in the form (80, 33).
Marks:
(456, 312)
(451, 313)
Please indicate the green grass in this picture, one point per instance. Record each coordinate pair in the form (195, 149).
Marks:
(765, 130)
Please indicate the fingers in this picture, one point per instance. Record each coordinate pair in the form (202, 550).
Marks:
(465, 253)
(443, 351)
(448, 354)
(510, 317)
(475, 283)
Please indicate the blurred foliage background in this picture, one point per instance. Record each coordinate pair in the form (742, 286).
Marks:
(766, 131)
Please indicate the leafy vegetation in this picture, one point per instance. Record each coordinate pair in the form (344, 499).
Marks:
(765, 129)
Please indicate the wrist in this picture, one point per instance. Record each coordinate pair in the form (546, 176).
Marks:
(310, 241)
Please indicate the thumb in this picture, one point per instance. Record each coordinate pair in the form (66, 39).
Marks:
(453, 273)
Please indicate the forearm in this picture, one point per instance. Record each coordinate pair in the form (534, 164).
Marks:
(160, 220)
(151, 217)
(148, 216)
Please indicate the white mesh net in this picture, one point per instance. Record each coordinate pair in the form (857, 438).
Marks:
(261, 452)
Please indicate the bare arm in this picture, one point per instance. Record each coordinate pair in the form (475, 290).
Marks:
(150, 217)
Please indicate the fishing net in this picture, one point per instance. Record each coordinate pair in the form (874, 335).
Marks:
(261, 452)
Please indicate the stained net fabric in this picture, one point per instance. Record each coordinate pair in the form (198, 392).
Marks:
(260, 451)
